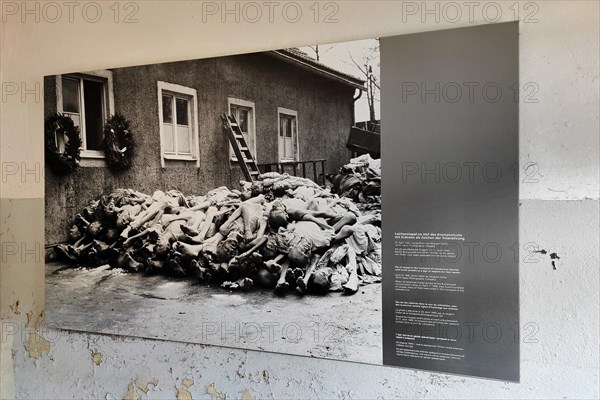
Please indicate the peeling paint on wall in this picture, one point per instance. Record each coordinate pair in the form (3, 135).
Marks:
(144, 386)
(133, 387)
(182, 392)
(247, 395)
(132, 393)
(214, 393)
(15, 308)
(36, 345)
(97, 358)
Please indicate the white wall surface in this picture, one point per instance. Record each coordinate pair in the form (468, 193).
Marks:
(559, 212)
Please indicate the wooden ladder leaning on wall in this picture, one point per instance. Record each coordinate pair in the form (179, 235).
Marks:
(244, 156)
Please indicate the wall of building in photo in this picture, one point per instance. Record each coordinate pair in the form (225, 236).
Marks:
(291, 108)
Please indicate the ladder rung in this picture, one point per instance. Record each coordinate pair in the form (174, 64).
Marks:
(238, 141)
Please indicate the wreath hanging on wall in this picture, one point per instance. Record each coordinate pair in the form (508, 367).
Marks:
(118, 144)
(61, 129)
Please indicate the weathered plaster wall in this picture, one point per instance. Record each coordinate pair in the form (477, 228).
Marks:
(559, 52)
(325, 112)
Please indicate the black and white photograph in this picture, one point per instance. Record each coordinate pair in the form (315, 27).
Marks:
(232, 201)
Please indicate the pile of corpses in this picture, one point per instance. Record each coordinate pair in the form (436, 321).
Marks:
(279, 232)
(360, 180)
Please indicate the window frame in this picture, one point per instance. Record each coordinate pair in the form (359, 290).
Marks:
(108, 103)
(233, 101)
(295, 139)
(192, 96)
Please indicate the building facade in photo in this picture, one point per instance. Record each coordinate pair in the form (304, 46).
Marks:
(291, 108)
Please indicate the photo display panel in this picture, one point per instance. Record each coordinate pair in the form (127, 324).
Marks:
(450, 201)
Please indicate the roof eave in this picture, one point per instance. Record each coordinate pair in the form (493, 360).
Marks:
(313, 68)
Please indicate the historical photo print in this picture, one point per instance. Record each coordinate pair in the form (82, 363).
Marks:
(232, 201)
